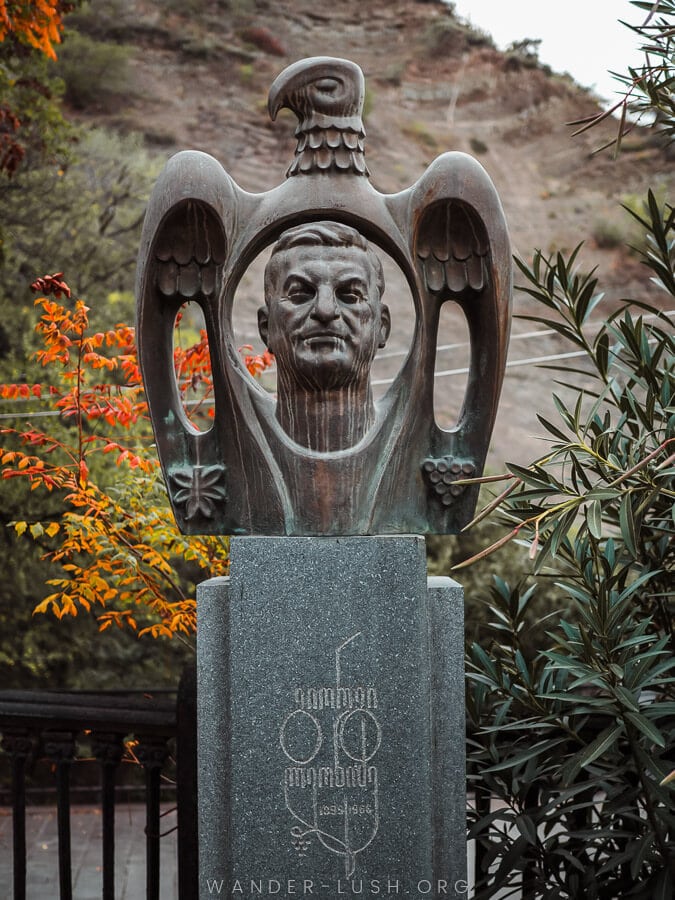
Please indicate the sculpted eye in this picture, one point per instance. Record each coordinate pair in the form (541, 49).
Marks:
(350, 293)
(300, 292)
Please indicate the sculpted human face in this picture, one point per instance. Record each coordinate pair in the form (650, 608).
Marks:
(323, 318)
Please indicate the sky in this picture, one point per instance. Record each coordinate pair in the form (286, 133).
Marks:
(582, 37)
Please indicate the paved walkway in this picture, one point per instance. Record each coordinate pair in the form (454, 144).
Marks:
(42, 853)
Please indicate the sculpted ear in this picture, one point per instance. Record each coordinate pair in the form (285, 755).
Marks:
(263, 325)
(385, 325)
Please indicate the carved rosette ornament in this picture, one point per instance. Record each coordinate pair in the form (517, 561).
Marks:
(322, 457)
(198, 490)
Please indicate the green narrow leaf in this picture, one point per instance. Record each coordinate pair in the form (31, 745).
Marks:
(534, 479)
(656, 217)
(636, 585)
(542, 747)
(588, 754)
(627, 525)
(522, 668)
(560, 532)
(620, 131)
(603, 493)
(508, 861)
(643, 848)
(594, 518)
(596, 299)
(527, 828)
(553, 429)
(482, 660)
(626, 698)
(647, 728)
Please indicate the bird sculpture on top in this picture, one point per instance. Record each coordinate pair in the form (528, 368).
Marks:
(322, 457)
(327, 98)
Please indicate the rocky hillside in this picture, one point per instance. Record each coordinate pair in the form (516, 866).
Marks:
(198, 78)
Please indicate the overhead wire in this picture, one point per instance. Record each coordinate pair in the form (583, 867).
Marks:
(510, 364)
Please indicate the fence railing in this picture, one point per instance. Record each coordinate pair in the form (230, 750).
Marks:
(56, 725)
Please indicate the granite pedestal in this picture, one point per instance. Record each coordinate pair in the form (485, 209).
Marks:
(331, 722)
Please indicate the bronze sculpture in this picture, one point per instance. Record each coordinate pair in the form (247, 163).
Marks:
(324, 321)
(323, 459)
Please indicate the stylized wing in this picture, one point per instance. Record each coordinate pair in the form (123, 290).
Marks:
(452, 249)
(461, 251)
(189, 253)
(184, 248)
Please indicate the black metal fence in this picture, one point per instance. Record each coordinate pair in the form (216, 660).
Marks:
(56, 725)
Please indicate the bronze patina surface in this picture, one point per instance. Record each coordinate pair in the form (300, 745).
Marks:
(323, 457)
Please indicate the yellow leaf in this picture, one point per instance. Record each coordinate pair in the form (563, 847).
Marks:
(44, 605)
(20, 527)
(52, 528)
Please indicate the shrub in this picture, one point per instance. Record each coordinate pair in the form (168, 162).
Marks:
(523, 53)
(447, 555)
(449, 36)
(477, 145)
(96, 73)
(608, 234)
(101, 19)
(574, 744)
(90, 211)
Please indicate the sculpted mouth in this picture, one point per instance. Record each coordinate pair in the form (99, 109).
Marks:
(322, 337)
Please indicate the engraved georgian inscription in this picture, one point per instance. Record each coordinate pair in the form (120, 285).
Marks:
(330, 740)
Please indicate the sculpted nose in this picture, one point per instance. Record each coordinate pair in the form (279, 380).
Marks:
(325, 306)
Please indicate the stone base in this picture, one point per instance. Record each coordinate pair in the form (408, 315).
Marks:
(331, 722)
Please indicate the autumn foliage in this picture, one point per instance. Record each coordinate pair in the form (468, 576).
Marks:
(35, 24)
(115, 544)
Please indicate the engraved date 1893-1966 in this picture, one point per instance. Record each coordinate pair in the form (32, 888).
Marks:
(331, 784)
